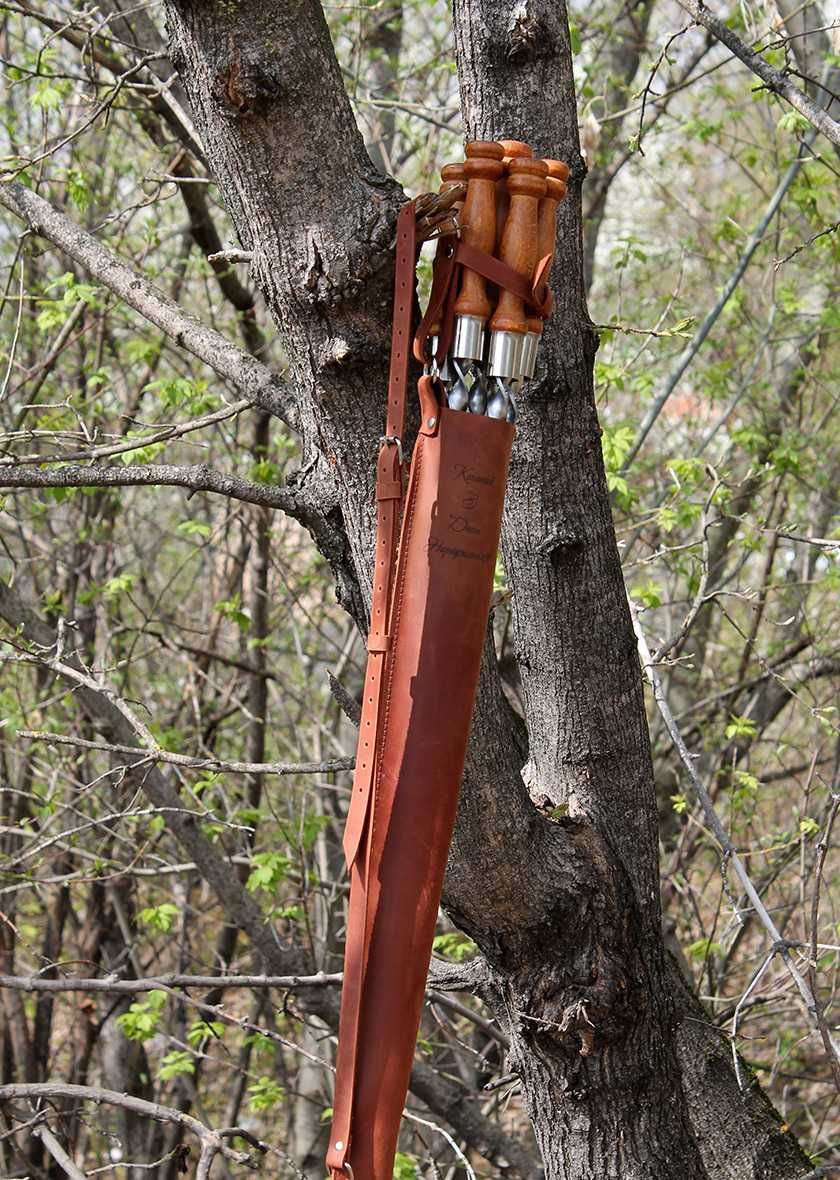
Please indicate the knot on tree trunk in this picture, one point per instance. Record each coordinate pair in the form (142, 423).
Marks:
(245, 87)
(529, 38)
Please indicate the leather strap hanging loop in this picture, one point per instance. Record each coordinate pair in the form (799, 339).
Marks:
(532, 291)
(389, 494)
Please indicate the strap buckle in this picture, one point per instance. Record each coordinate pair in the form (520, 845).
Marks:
(391, 440)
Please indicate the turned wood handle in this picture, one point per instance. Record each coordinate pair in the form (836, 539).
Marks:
(555, 191)
(526, 185)
(478, 220)
(450, 175)
(515, 149)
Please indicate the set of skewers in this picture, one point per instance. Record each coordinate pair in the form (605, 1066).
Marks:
(510, 212)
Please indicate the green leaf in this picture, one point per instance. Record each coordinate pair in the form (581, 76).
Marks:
(232, 610)
(200, 1030)
(793, 122)
(647, 593)
(178, 1061)
(77, 189)
(269, 869)
(194, 528)
(159, 917)
(121, 584)
(679, 803)
(405, 1167)
(143, 1017)
(265, 472)
(265, 1094)
(616, 442)
(141, 453)
(47, 97)
(454, 945)
(702, 948)
(741, 727)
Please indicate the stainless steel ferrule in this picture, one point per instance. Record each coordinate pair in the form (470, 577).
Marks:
(468, 343)
(506, 355)
(444, 373)
(529, 355)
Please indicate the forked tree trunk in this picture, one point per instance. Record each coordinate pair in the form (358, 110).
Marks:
(621, 1075)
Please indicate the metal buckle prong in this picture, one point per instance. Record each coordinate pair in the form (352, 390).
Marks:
(391, 440)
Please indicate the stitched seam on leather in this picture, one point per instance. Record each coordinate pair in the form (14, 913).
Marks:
(394, 629)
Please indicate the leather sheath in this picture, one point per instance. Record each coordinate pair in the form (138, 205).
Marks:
(433, 595)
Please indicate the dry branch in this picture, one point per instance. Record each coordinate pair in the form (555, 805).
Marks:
(772, 78)
(212, 1142)
(257, 382)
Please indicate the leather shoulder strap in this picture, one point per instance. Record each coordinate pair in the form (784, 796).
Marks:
(389, 492)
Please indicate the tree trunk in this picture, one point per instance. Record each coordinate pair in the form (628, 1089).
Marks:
(621, 1075)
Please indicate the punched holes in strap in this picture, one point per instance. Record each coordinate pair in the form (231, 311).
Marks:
(403, 303)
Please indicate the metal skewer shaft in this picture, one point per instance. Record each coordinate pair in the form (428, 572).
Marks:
(558, 174)
(526, 185)
(478, 229)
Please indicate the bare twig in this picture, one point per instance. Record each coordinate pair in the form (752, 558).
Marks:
(156, 435)
(822, 852)
(677, 641)
(212, 1142)
(199, 477)
(129, 987)
(804, 245)
(139, 756)
(257, 382)
(58, 1153)
(779, 945)
(772, 78)
(231, 256)
(688, 355)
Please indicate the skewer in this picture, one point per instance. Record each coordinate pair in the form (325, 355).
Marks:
(558, 174)
(452, 176)
(526, 185)
(472, 308)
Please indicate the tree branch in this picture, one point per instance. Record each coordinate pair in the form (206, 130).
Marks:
(111, 717)
(690, 352)
(130, 987)
(329, 766)
(212, 1142)
(58, 1153)
(262, 387)
(199, 477)
(160, 434)
(772, 78)
(778, 945)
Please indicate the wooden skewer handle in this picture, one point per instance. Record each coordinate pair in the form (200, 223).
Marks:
(515, 149)
(555, 191)
(450, 175)
(478, 220)
(526, 185)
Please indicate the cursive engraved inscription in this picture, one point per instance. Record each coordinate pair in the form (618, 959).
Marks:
(452, 552)
(470, 475)
(460, 524)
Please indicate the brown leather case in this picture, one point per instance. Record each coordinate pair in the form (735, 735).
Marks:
(400, 837)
